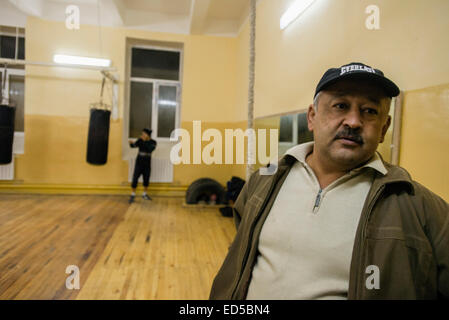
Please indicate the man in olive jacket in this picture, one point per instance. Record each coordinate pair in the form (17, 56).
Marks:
(335, 221)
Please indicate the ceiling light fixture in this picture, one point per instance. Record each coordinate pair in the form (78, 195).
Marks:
(82, 61)
(294, 11)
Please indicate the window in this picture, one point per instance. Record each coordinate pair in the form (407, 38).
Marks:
(293, 129)
(286, 129)
(166, 116)
(154, 91)
(141, 107)
(8, 47)
(155, 64)
(304, 134)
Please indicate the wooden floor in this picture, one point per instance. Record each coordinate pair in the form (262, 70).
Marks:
(148, 250)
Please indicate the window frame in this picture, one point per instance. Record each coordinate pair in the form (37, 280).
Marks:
(156, 83)
(155, 120)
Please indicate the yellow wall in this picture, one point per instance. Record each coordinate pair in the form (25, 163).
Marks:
(242, 74)
(411, 48)
(57, 101)
(384, 148)
(55, 153)
(220, 172)
(425, 137)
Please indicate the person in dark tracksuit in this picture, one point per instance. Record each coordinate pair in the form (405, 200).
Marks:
(146, 146)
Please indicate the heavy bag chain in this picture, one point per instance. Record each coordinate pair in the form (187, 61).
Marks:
(3, 86)
(100, 105)
(2, 91)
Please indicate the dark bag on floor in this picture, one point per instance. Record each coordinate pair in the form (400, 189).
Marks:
(226, 211)
(234, 187)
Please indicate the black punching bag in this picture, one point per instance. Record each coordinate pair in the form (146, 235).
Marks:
(7, 115)
(98, 138)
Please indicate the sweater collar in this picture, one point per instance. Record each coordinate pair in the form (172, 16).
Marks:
(301, 151)
(395, 174)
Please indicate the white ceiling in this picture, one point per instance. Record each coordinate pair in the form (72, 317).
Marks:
(218, 17)
(161, 6)
(228, 9)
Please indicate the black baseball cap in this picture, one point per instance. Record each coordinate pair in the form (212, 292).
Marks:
(357, 70)
(147, 131)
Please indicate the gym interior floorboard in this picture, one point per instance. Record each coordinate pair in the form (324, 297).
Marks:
(148, 250)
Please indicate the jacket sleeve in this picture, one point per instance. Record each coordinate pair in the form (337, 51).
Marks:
(239, 205)
(437, 229)
(135, 144)
(153, 145)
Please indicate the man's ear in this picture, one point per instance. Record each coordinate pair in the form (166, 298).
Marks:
(311, 113)
(385, 129)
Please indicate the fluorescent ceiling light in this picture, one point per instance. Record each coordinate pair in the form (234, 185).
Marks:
(83, 61)
(294, 11)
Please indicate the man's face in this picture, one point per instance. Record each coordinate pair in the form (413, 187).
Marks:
(349, 123)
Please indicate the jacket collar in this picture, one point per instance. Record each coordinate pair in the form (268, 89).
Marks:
(396, 176)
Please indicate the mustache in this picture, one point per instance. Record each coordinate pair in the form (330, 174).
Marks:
(350, 134)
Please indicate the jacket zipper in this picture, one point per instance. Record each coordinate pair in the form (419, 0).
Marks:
(248, 247)
(361, 242)
(317, 201)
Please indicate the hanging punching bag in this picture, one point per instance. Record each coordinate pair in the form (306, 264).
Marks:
(98, 137)
(7, 115)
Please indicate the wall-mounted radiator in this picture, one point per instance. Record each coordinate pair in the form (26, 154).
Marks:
(161, 170)
(7, 171)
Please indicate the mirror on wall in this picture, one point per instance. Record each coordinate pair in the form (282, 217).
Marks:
(292, 130)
